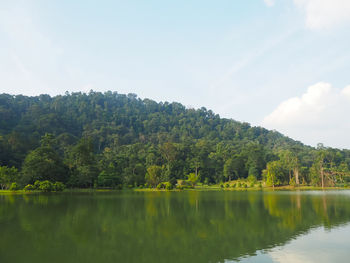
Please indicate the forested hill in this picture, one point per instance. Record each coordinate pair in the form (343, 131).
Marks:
(94, 136)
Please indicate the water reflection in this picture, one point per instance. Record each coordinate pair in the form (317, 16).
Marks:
(320, 245)
(162, 226)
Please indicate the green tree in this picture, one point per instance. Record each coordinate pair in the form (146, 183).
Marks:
(274, 173)
(193, 179)
(44, 163)
(154, 175)
(8, 175)
(82, 163)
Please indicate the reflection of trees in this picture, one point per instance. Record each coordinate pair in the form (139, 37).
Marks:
(158, 227)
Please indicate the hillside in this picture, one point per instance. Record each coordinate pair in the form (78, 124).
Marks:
(112, 139)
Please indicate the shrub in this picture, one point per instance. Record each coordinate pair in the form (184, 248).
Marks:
(46, 186)
(244, 185)
(292, 182)
(160, 186)
(37, 185)
(227, 185)
(29, 187)
(234, 185)
(239, 184)
(14, 187)
(251, 185)
(252, 179)
(119, 187)
(58, 187)
(168, 186)
(180, 187)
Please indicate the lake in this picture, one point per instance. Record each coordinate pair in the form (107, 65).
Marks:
(189, 226)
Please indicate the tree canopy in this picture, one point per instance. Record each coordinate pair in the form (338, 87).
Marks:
(109, 139)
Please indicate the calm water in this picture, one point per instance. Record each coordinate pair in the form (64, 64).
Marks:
(176, 227)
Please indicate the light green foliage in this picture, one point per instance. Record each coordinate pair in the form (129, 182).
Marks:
(37, 185)
(153, 175)
(14, 187)
(193, 179)
(165, 185)
(252, 179)
(46, 186)
(8, 175)
(29, 187)
(274, 173)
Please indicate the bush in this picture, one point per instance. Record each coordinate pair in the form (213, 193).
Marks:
(119, 187)
(14, 187)
(234, 185)
(239, 184)
(252, 179)
(244, 185)
(168, 186)
(227, 185)
(180, 187)
(160, 186)
(251, 185)
(46, 186)
(29, 187)
(58, 187)
(37, 185)
(292, 182)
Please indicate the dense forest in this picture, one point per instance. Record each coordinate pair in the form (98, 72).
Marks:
(115, 140)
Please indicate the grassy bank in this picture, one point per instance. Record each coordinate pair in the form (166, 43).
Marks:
(196, 188)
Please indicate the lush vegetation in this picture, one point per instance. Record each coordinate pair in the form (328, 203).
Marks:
(112, 140)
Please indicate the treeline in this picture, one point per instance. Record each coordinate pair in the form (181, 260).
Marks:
(115, 140)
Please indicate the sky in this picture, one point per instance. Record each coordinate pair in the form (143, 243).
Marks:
(280, 64)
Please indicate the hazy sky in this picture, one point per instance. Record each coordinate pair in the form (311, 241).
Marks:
(282, 64)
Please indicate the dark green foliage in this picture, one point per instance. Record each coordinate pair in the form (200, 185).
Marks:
(29, 187)
(44, 163)
(58, 187)
(111, 139)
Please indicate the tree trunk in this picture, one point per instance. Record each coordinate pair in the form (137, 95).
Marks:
(290, 177)
(322, 180)
(296, 174)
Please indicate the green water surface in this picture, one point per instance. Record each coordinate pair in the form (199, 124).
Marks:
(190, 226)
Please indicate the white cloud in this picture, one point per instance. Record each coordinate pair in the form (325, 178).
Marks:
(323, 14)
(269, 2)
(319, 115)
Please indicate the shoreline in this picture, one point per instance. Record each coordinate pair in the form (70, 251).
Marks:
(198, 189)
